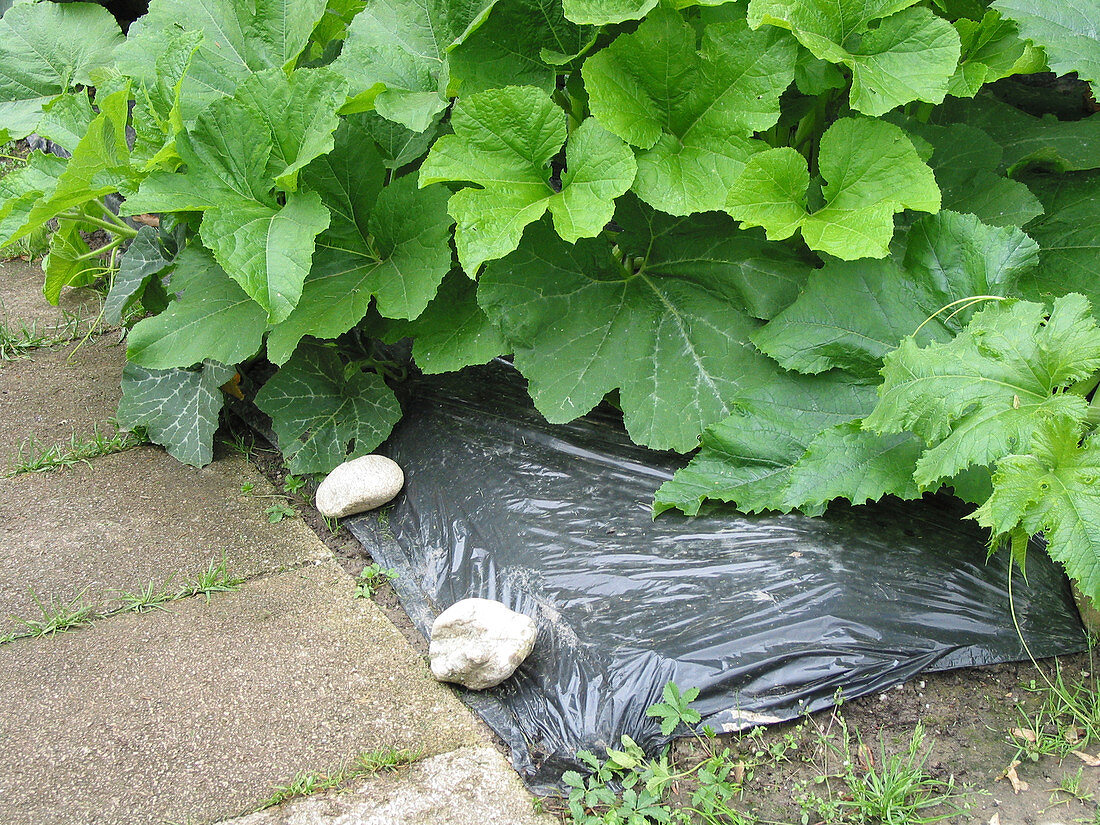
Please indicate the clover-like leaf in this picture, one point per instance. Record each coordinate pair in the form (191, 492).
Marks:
(896, 54)
(655, 312)
(178, 408)
(503, 141)
(691, 113)
(983, 395)
(325, 412)
(871, 170)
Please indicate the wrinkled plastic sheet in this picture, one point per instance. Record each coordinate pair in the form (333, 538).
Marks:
(769, 616)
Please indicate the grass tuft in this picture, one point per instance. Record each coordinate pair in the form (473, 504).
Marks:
(19, 342)
(57, 615)
(367, 763)
(31, 459)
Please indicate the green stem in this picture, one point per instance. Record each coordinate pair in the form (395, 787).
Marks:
(103, 250)
(111, 216)
(120, 229)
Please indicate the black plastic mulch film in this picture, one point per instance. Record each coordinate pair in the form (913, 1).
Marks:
(768, 616)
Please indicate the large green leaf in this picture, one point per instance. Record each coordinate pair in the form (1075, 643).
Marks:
(896, 54)
(690, 113)
(746, 459)
(503, 141)
(234, 154)
(654, 313)
(148, 256)
(1057, 145)
(871, 170)
(452, 332)
(991, 49)
(158, 106)
(507, 49)
(325, 413)
(851, 314)
(967, 164)
(69, 261)
(1067, 30)
(66, 118)
(239, 38)
(393, 249)
(46, 49)
(602, 12)
(396, 59)
(985, 393)
(399, 145)
(1069, 237)
(177, 408)
(212, 319)
(1052, 489)
(25, 186)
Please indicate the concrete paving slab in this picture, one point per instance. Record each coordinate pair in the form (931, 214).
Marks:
(195, 715)
(23, 305)
(469, 786)
(53, 394)
(122, 520)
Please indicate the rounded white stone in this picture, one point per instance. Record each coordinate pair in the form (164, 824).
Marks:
(359, 485)
(479, 643)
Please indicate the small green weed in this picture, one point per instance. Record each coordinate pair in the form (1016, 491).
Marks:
(292, 484)
(371, 579)
(151, 597)
(1068, 717)
(214, 579)
(248, 487)
(31, 459)
(278, 512)
(17, 343)
(311, 782)
(57, 615)
(332, 523)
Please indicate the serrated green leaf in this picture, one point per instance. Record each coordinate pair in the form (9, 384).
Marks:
(239, 38)
(46, 49)
(982, 395)
(65, 120)
(896, 54)
(602, 12)
(848, 462)
(1068, 235)
(966, 162)
(177, 408)
(691, 113)
(453, 331)
(1053, 490)
(399, 145)
(1057, 145)
(871, 170)
(503, 141)
(267, 250)
(300, 113)
(991, 48)
(1067, 30)
(399, 262)
(747, 458)
(323, 417)
(69, 262)
(25, 186)
(667, 332)
(396, 59)
(212, 319)
(147, 256)
(158, 113)
(98, 165)
(506, 49)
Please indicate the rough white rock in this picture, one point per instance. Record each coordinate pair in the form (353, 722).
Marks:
(479, 643)
(359, 485)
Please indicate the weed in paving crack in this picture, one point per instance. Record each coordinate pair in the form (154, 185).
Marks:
(31, 459)
(292, 484)
(18, 342)
(373, 577)
(57, 615)
(214, 579)
(311, 782)
(151, 597)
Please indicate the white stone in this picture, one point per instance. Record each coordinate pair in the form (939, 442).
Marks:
(359, 485)
(479, 643)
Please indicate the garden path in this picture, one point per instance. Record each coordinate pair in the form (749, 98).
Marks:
(195, 711)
